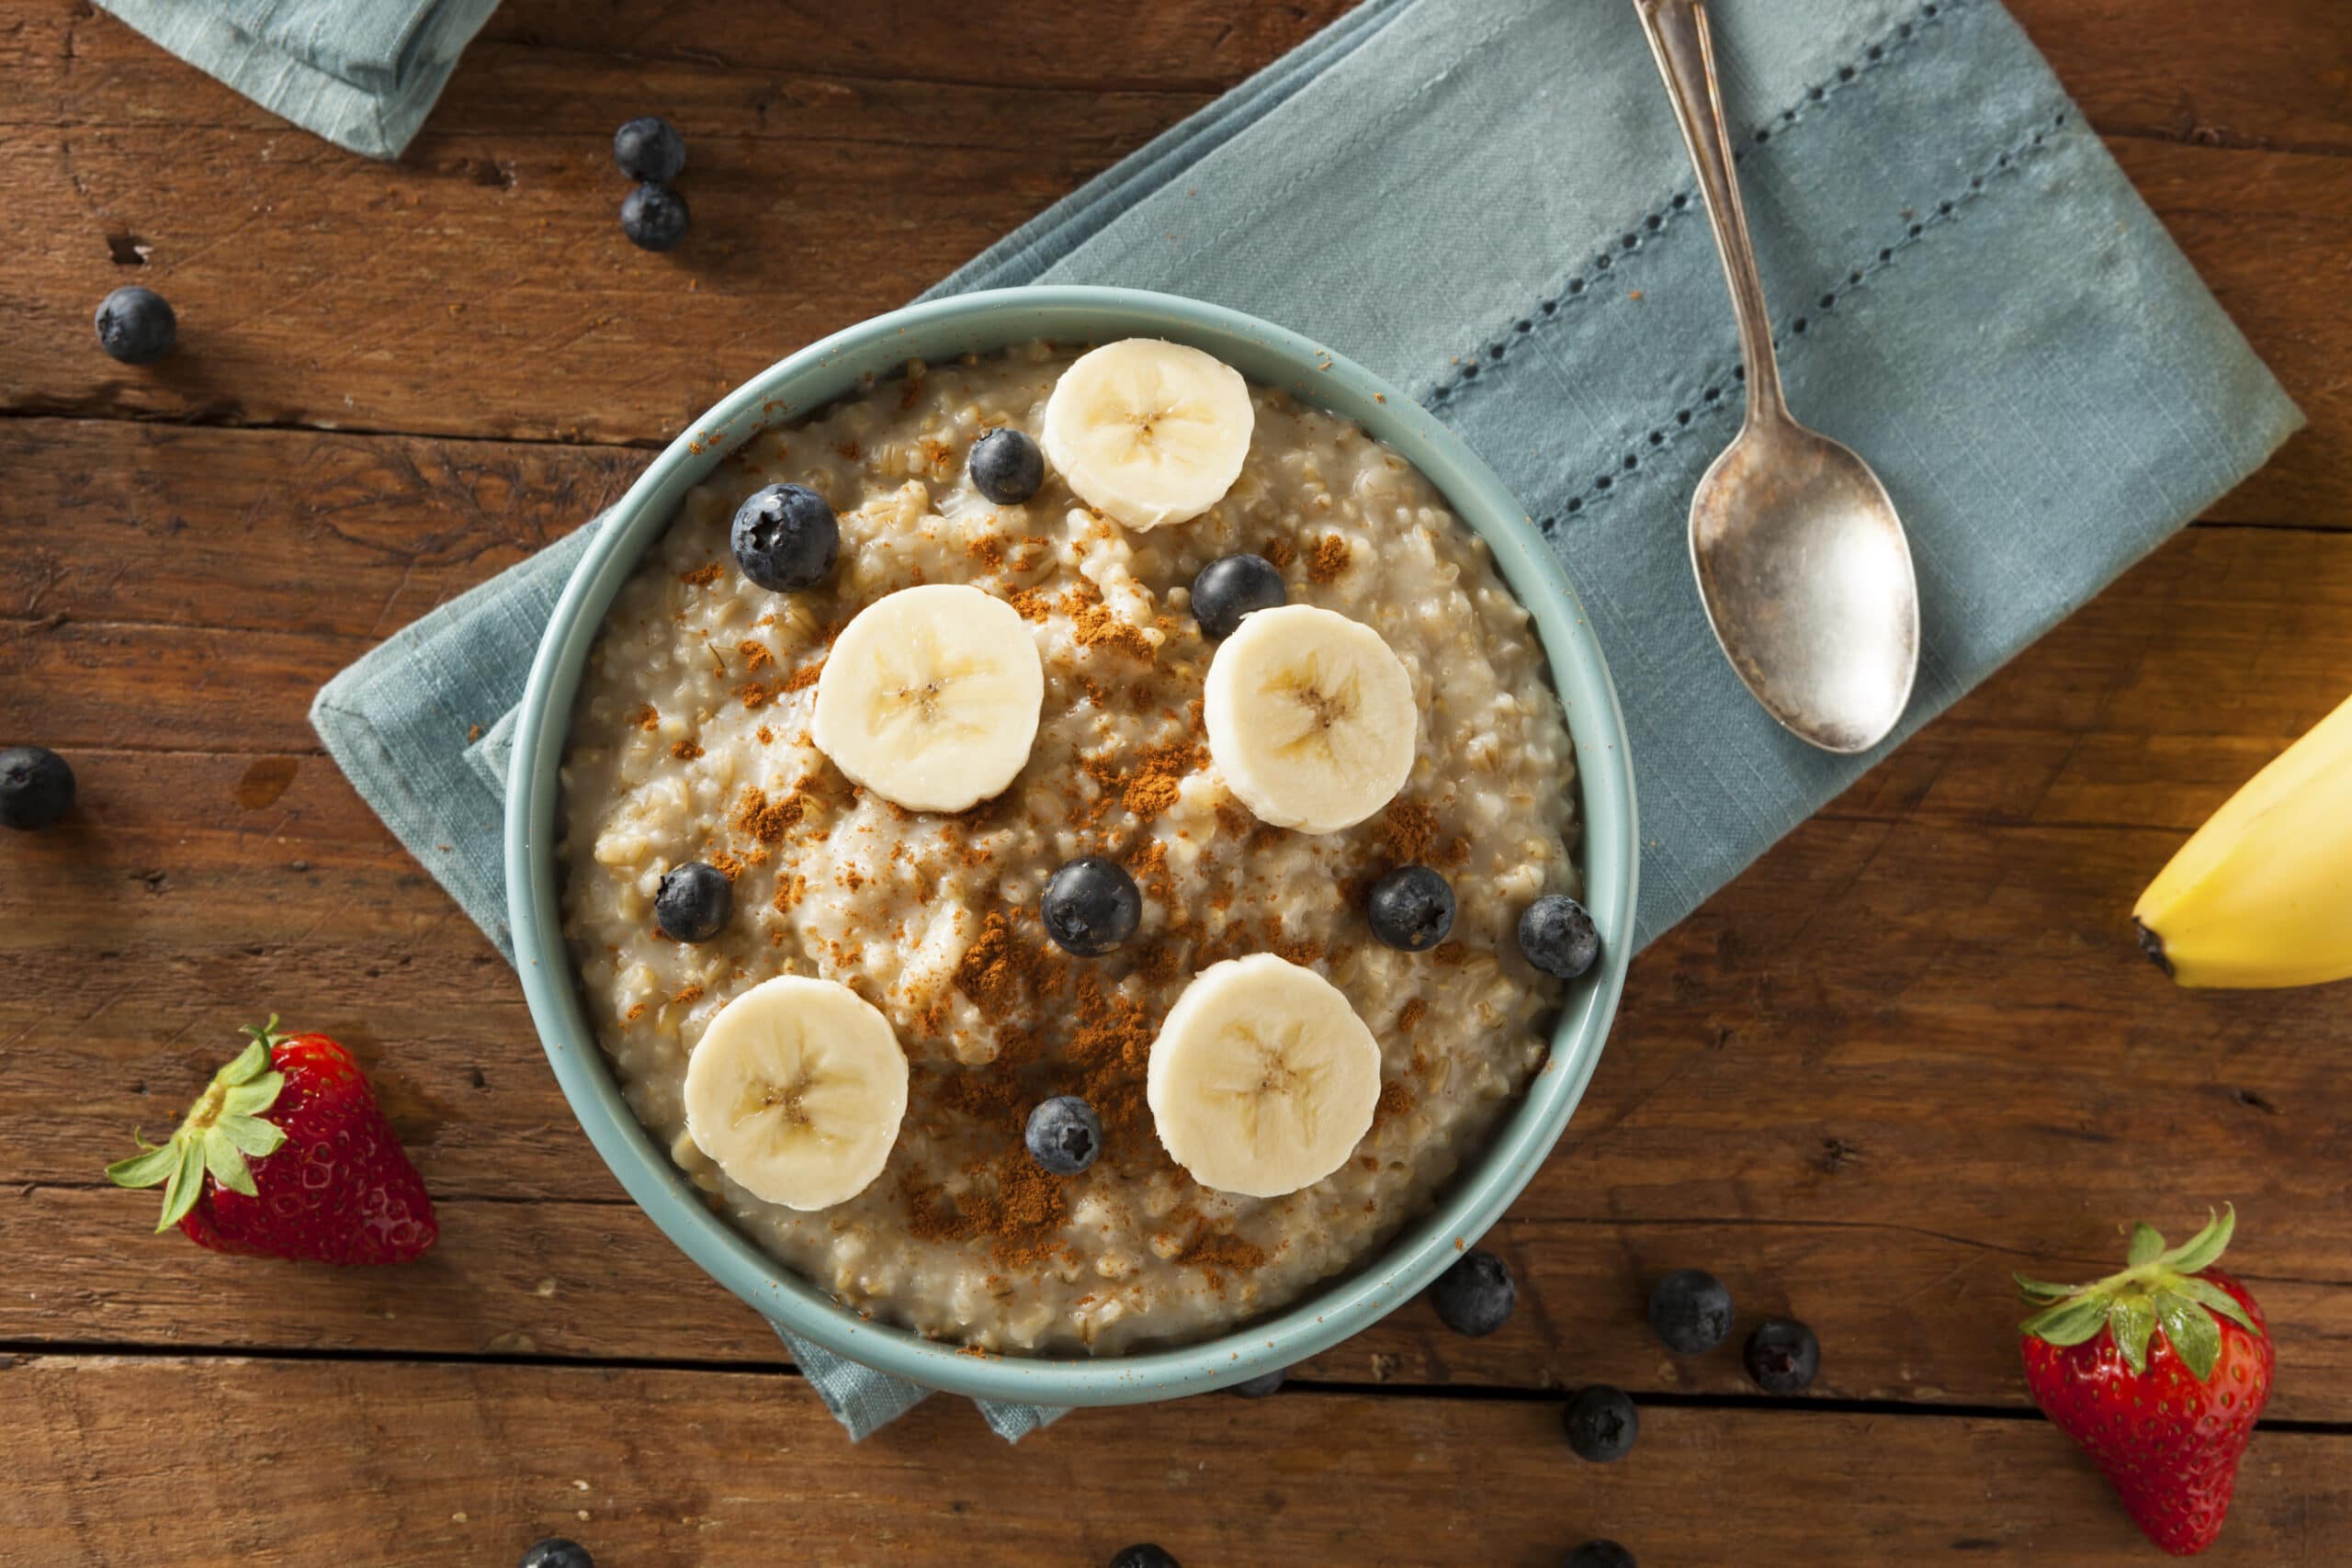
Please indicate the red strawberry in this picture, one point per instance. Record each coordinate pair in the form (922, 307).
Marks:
(2159, 1373)
(320, 1177)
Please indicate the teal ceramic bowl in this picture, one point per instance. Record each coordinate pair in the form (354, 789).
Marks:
(1266, 353)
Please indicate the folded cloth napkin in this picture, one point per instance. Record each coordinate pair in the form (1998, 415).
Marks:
(363, 74)
(1486, 201)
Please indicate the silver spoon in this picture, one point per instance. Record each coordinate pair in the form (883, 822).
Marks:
(1802, 562)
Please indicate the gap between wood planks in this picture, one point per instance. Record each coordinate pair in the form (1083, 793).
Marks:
(1460, 1393)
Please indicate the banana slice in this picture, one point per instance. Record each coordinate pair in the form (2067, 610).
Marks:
(796, 1089)
(1262, 1078)
(1150, 433)
(930, 697)
(1311, 718)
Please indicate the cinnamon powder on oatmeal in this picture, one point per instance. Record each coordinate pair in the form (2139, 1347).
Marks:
(801, 680)
(1327, 559)
(704, 575)
(755, 654)
(1280, 551)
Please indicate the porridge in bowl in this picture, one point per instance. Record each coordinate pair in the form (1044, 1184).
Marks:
(1054, 847)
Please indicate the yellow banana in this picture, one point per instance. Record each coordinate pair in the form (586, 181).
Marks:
(2261, 895)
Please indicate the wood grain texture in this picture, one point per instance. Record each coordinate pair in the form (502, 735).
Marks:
(494, 246)
(396, 1465)
(1829, 1085)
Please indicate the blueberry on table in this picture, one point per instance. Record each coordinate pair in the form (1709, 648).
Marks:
(1411, 908)
(36, 788)
(1259, 1386)
(785, 538)
(1006, 467)
(1064, 1134)
(1781, 1356)
(557, 1552)
(1600, 1554)
(650, 149)
(136, 326)
(1602, 1423)
(1229, 588)
(1558, 937)
(1092, 906)
(1691, 1309)
(653, 217)
(1145, 1556)
(693, 902)
(1475, 1296)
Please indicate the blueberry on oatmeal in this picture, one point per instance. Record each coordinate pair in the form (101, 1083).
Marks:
(694, 902)
(1006, 467)
(785, 538)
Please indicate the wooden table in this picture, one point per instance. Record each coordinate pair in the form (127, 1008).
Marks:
(1912, 1048)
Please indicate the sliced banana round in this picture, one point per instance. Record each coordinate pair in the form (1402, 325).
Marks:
(1311, 718)
(930, 697)
(1148, 433)
(1262, 1078)
(796, 1089)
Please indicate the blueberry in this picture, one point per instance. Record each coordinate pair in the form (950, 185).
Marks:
(1781, 1356)
(36, 788)
(1064, 1134)
(557, 1552)
(653, 217)
(1411, 908)
(1602, 1423)
(1145, 1556)
(1006, 467)
(1600, 1554)
(1090, 907)
(1229, 588)
(136, 326)
(1475, 1296)
(650, 149)
(785, 539)
(694, 902)
(1558, 937)
(1259, 1386)
(1691, 1309)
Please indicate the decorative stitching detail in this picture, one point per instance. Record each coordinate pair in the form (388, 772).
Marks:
(1654, 222)
(1718, 382)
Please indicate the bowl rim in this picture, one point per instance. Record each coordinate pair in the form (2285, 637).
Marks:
(1336, 1308)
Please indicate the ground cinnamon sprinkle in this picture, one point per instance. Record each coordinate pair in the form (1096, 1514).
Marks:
(789, 890)
(1394, 1099)
(1147, 782)
(1410, 1017)
(703, 576)
(685, 751)
(690, 994)
(801, 680)
(1030, 603)
(765, 734)
(1408, 835)
(1214, 1253)
(754, 694)
(1280, 551)
(1328, 559)
(635, 1013)
(1098, 626)
(768, 821)
(988, 549)
(730, 866)
(755, 654)
(646, 718)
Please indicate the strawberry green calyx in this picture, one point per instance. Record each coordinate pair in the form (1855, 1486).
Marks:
(224, 1128)
(2159, 1288)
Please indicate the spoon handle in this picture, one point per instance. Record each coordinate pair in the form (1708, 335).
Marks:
(1678, 37)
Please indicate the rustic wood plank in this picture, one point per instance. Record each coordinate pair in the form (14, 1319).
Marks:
(574, 334)
(1827, 1085)
(407, 1465)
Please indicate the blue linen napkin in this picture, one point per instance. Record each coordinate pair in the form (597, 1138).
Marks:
(363, 74)
(1486, 202)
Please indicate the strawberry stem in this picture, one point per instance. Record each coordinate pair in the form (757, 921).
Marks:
(224, 1126)
(2157, 1288)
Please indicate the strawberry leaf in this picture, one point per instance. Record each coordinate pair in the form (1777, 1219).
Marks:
(2221, 1301)
(2147, 1242)
(185, 1185)
(2133, 1320)
(2203, 1250)
(253, 1097)
(226, 1164)
(2068, 1323)
(151, 1164)
(251, 1135)
(2195, 1338)
(248, 1067)
(2042, 1290)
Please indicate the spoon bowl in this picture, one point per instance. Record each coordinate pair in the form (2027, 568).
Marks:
(1806, 577)
(1801, 561)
